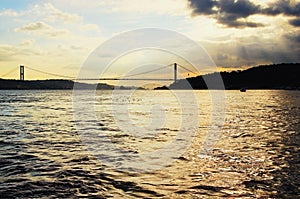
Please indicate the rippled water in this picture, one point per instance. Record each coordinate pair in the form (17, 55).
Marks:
(42, 153)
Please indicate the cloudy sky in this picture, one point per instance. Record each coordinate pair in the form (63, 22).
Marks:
(58, 35)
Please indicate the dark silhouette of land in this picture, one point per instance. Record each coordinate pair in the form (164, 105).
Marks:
(54, 85)
(279, 76)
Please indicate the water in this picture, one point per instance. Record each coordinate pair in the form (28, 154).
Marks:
(42, 153)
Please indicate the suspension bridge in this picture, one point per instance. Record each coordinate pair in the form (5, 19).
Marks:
(130, 77)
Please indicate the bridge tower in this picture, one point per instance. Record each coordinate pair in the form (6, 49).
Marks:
(175, 72)
(22, 75)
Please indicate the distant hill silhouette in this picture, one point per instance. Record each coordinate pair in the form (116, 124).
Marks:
(279, 76)
(53, 85)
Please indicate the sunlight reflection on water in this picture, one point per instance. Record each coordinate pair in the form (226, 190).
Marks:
(42, 155)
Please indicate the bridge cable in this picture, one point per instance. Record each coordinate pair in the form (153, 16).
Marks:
(9, 72)
(150, 71)
(64, 76)
(74, 78)
(187, 69)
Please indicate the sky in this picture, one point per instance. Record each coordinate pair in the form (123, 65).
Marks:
(57, 36)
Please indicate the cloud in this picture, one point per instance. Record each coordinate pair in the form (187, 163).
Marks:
(254, 49)
(231, 13)
(170, 7)
(236, 13)
(14, 54)
(203, 7)
(295, 22)
(41, 28)
(237, 8)
(7, 52)
(9, 13)
(52, 14)
(27, 42)
(56, 14)
(231, 21)
(90, 27)
(286, 7)
(222, 56)
(294, 37)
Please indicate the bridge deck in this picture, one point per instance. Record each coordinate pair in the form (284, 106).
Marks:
(128, 79)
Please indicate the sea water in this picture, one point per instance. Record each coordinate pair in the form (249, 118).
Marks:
(44, 150)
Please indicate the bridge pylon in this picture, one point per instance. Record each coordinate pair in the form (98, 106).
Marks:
(22, 73)
(175, 72)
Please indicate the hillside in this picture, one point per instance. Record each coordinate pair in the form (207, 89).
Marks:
(279, 76)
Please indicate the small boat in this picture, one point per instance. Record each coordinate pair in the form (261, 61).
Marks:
(243, 89)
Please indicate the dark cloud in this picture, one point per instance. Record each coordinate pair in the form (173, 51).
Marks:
(295, 22)
(239, 8)
(297, 38)
(227, 12)
(234, 13)
(233, 21)
(203, 6)
(285, 7)
(294, 37)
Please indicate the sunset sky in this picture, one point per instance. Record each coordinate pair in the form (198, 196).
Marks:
(58, 35)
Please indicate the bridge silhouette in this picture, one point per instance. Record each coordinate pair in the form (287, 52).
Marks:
(125, 77)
